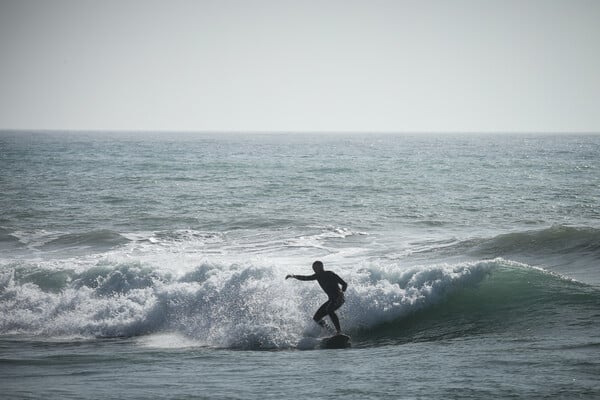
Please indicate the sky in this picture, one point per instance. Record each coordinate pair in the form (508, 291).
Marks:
(301, 65)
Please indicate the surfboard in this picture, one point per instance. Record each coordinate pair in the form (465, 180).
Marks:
(336, 342)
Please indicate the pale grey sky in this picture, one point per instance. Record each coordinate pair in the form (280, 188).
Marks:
(302, 65)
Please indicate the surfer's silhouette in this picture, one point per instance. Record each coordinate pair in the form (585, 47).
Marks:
(330, 282)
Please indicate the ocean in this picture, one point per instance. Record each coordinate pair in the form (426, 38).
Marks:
(152, 265)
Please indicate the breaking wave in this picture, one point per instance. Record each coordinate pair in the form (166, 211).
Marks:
(250, 306)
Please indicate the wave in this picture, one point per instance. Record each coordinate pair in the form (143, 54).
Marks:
(557, 240)
(106, 240)
(41, 240)
(514, 299)
(253, 307)
(8, 241)
(572, 251)
(103, 239)
(185, 235)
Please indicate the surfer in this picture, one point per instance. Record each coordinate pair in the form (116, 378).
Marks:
(330, 282)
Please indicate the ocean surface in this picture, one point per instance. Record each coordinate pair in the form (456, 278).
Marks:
(148, 265)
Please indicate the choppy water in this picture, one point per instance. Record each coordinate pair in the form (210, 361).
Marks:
(152, 265)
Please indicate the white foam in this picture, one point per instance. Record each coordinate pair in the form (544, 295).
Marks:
(308, 343)
(214, 303)
(169, 340)
(381, 293)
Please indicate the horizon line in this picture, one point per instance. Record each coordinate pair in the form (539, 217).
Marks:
(296, 132)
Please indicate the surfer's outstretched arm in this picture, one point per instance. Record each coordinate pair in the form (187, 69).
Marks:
(303, 277)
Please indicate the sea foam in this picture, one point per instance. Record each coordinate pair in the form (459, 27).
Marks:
(215, 304)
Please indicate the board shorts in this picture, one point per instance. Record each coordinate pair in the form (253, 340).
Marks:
(329, 307)
(334, 304)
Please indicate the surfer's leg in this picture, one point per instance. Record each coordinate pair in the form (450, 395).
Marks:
(321, 312)
(331, 307)
(336, 322)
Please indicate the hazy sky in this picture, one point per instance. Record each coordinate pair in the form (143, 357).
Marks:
(298, 65)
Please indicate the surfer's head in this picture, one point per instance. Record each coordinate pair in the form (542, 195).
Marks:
(317, 266)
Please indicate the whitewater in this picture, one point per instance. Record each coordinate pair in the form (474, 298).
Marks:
(152, 265)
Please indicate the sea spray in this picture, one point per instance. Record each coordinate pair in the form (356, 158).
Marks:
(219, 305)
